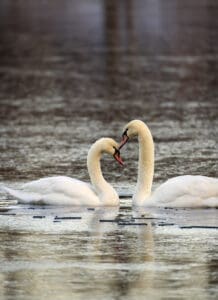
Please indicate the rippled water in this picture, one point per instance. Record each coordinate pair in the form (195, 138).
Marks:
(72, 72)
(114, 260)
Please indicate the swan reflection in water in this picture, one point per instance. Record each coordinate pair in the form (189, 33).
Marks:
(81, 251)
(88, 256)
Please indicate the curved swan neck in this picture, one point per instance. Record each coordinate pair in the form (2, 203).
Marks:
(94, 169)
(146, 166)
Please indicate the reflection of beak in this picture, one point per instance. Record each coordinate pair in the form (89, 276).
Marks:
(119, 159)
(125, 139)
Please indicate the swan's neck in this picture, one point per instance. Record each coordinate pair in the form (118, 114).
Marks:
(146, 166)
(103, 189)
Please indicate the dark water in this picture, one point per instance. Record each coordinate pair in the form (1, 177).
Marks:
(72, 72)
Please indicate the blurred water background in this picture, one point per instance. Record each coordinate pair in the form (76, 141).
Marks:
(72, 72)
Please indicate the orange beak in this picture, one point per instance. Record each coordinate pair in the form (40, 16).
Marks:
(119, 159)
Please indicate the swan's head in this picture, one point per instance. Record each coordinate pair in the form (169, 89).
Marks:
(108, 145)
(130, 130)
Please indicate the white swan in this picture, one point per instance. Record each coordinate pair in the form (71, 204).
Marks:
(62, 190)
(181, 191)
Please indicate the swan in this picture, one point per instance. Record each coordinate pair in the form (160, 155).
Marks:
(63, 190)
(181, 191)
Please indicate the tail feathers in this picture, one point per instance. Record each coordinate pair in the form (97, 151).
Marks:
(24, 197)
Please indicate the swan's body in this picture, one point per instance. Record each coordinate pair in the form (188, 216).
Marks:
(186, 191)
(63, 190)
(58, 190)
(181, 191)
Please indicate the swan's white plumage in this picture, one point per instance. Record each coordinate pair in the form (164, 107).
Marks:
(56, 190)
(63, 190)
(181, 191)
(186, 191)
